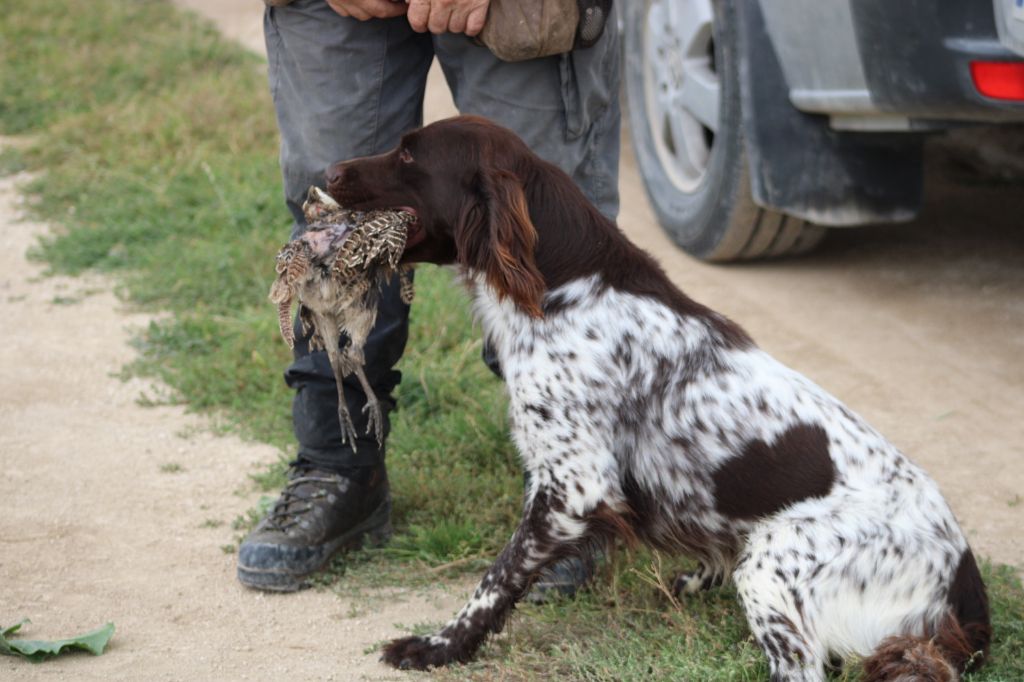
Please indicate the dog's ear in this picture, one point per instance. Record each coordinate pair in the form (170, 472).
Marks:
(496, 237)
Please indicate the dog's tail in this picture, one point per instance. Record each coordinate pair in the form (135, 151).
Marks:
(959, 642)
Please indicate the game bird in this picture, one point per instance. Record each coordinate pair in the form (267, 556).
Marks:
(335, 271)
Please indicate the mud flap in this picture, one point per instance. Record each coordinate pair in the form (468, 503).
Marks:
(799, 166)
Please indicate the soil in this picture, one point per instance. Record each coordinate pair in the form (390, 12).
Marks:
(114, 511)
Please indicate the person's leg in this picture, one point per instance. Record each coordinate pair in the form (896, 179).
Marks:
(341, 89)
(566, 108)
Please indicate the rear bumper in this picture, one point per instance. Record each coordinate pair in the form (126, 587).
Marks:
(916, 56)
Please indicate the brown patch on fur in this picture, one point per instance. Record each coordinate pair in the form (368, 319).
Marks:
(916, 659)
(969, 603)
(908, 659)
(607, 522)
(498, 239)
(767, 477)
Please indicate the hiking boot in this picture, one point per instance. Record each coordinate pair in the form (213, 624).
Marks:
(562, 579)
(318, 514)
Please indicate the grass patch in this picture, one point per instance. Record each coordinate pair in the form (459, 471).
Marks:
(625, 628)
(156, 153)
(11, 161)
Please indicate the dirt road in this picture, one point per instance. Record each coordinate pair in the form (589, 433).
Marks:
(108, 506)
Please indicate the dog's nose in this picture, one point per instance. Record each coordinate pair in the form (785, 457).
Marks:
(338, 174)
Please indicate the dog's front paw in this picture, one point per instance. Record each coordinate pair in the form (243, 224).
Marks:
(418, 653)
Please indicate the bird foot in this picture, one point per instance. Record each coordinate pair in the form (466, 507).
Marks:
(375, 419)
(348, 429)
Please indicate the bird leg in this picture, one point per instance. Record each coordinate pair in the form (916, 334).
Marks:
(327, 328)
(348, 429)
(375, 415)
(359, 321)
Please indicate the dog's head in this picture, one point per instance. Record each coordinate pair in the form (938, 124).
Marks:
(463, 178)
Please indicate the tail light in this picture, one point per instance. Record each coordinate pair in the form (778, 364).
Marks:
(999, 80)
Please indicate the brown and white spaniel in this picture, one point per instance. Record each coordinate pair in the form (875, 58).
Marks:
(642, 414)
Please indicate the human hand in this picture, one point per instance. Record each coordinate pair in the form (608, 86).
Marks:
(448, 16)
(368, 9)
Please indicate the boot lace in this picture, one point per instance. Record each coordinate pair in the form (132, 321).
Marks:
(297, 499)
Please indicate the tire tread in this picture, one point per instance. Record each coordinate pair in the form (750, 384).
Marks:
(766, 234)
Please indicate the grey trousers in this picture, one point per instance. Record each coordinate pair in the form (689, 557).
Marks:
(344, 88)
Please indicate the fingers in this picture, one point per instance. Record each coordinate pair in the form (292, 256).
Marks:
(430, 15)
(418, 14)
(440, 14)
(457, 21)
(448, 16)
(475, 20)
(368, 9)
(436, 16)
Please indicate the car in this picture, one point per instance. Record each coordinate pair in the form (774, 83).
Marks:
(757, 124)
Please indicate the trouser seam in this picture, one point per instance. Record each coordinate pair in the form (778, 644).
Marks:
(380, 89)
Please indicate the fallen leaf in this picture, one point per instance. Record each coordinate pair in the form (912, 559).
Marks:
(37, 650)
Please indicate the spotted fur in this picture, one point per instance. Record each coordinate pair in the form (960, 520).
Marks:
(640, 413)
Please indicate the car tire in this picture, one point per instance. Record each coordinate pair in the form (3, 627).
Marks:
(683, 92)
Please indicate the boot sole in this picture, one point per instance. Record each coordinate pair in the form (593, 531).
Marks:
(373, 531)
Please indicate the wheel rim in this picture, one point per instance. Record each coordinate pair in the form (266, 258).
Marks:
(681, 87)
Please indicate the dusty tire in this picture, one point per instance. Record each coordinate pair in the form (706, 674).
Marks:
(688, 138)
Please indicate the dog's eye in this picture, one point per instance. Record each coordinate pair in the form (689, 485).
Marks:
(404, 156)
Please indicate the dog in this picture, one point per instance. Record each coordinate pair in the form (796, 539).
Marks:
(641, 414)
